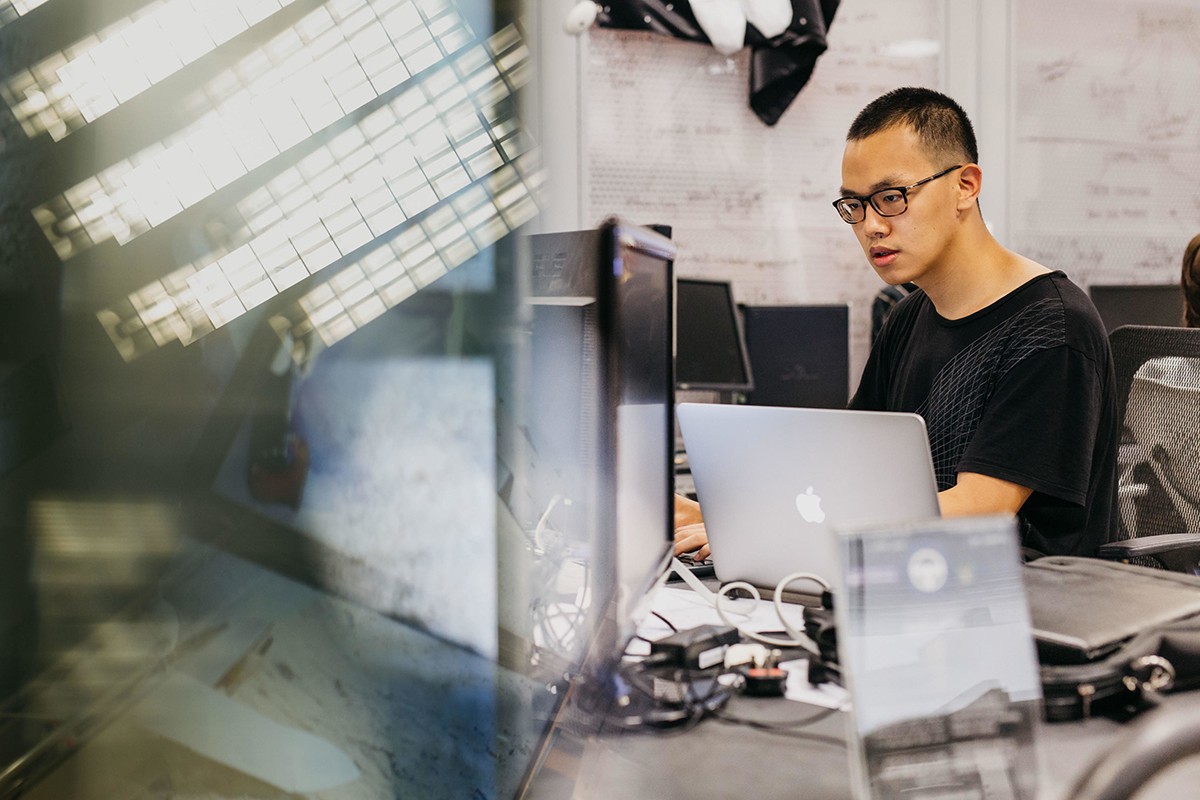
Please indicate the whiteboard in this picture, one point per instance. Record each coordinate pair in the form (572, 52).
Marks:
(669, 138)
(1106, 152)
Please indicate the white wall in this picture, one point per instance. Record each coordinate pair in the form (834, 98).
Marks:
(1105, 136)
(1087, 114)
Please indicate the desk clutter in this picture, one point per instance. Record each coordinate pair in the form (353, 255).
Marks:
(1111, 639)
(685, 662)
(1103, 640)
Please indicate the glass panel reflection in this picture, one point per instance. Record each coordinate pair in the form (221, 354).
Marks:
(254, 521)
(937, 652)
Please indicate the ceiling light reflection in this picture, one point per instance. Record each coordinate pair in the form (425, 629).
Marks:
(335, 60)
(401, 161)
(71, 88)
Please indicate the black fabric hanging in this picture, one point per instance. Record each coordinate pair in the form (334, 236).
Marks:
(779, 66)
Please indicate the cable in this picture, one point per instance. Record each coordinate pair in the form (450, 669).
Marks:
(669, 715)
(798, 638)
(813, 719)
(781, 729)
(790, 579)
(541, 523)
(706, 594)
(665, 621)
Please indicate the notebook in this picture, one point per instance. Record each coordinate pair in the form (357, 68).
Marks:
(773, 482)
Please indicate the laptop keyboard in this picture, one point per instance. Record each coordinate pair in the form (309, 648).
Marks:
(701, 568)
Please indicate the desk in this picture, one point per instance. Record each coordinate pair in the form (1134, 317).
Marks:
(719, 760)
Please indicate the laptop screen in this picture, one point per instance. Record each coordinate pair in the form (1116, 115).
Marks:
(937, 653)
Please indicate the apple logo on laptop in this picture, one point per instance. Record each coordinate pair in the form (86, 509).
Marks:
(809, 506)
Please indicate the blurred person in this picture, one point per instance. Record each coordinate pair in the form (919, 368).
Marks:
(1190, 281)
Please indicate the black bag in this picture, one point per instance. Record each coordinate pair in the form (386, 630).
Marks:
(1111, 637)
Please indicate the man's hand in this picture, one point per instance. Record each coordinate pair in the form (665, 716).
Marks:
(689, 528)
(692, 537)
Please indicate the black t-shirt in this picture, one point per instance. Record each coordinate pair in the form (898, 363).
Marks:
(1022, 391)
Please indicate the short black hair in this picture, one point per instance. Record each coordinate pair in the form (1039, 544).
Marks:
(940, 123)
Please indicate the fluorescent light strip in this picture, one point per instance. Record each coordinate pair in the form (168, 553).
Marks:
(329, 64)
(403, 159)
(382, 278)
(386, 276)
(73, 87)
(12, 10)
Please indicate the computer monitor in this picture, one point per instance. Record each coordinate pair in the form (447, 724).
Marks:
(1142, 304)
(579, 462)
(800, 355)
(594, 488)
(642, 416)
(710, 346)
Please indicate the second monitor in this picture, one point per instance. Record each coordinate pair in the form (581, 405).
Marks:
(1141, 304)
(709, 344)
(800, 355)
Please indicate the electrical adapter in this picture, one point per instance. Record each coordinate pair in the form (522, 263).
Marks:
(701, 647)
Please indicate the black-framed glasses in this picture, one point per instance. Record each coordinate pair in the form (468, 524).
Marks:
(890, 202)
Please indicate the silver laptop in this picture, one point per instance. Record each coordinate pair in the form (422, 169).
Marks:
(774, 482)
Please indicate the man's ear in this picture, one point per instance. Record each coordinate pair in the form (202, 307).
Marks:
(970, 182)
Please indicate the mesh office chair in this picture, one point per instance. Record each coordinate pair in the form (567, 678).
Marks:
(1158, 491)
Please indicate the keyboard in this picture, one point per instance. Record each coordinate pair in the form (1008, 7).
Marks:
(702, 568)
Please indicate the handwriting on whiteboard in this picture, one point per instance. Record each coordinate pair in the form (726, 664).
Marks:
(1107, 110)
(671, 139)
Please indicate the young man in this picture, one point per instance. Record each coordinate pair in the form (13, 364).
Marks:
(1007, 361)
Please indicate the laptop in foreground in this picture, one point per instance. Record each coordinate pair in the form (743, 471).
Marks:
(774, 482)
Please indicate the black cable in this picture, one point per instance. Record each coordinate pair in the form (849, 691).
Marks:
(786, 729)
(667, 717)
(665, 621)
(824, 713)
(700, 705)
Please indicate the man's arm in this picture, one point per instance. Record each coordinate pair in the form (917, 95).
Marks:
(982, 494)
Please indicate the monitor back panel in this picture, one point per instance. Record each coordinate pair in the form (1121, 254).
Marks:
(800, 355)
(1147, 304)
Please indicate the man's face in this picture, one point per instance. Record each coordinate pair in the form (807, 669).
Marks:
(906, 247)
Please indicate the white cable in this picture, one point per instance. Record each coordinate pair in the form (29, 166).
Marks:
(541, 523)
(799, 639)
(693, 582)
(758, 637)
(795, 576)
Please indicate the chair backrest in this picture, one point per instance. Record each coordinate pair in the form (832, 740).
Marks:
(1158, 391)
